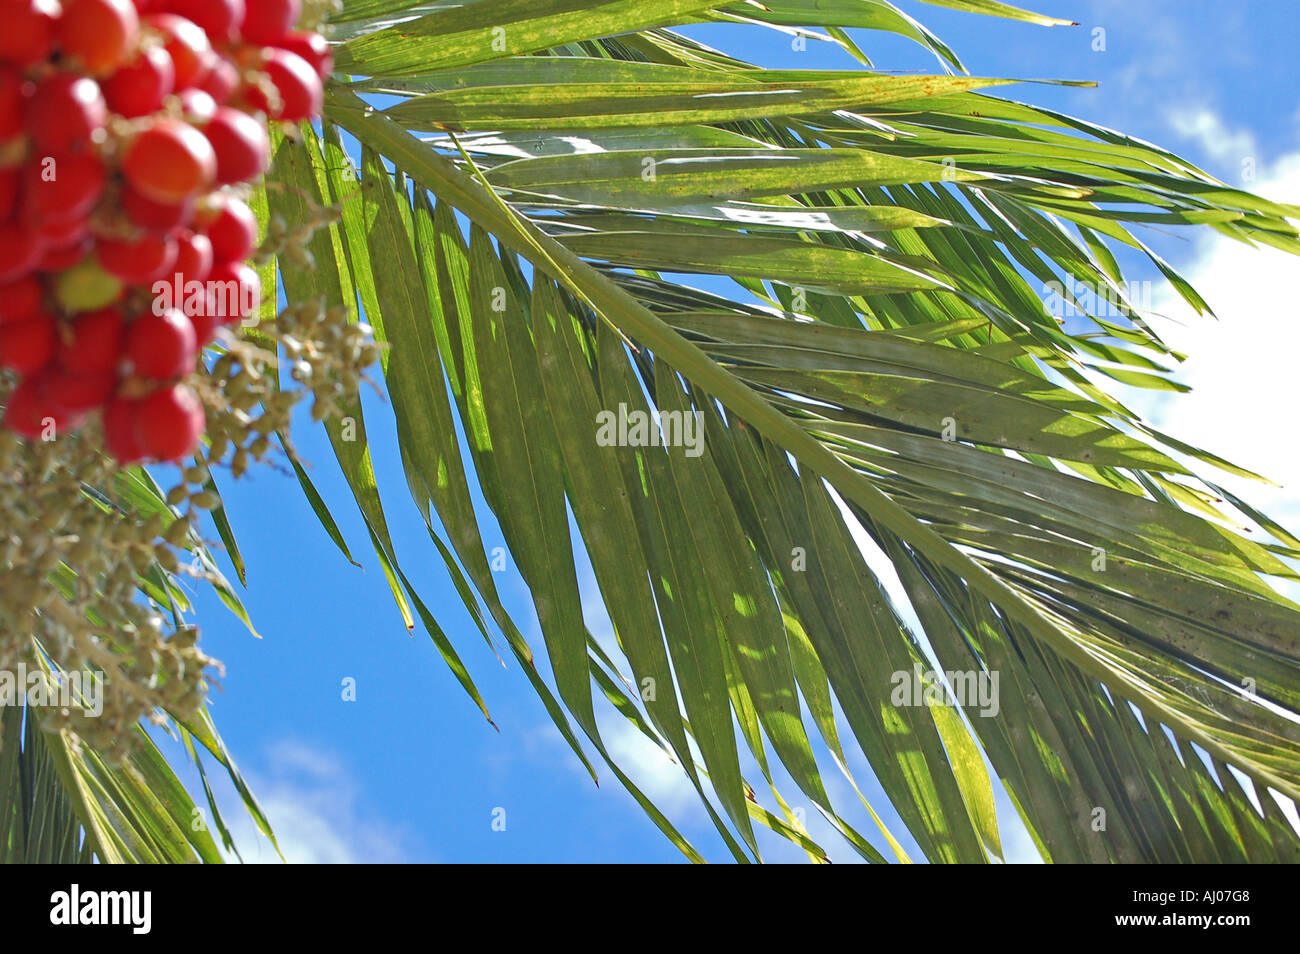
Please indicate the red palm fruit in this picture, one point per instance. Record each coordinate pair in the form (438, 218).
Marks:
(28, 346)
(11, 103)
(169, 423)
(170, 162)
(60, 258)
(29, 31)
(242, 146)
(65, 113)
(20, 250)
(153, 216)
(34, 407)
(198, 107)
(194, 258)
(192, 267)
(21, 300)
(10, 182)
(313, 48)
(236, 292)
(219, 18)
(267, 20)
(222, 80)
(188, 45)
(299, 92)
(162, 347)
(98, 35)
(141, 261)
(94, 342)
(28, 409)
(204, 321)
(139, 87)
(59, 234)
(63, 187)
(232, 227)
(79, 393)
(120, 438)
(206, 307)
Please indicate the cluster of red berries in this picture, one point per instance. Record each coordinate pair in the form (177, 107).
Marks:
(125, 126)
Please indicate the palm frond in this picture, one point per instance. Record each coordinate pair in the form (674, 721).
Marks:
(526, 189)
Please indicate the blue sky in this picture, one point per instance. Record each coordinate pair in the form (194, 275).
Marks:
(411, 771)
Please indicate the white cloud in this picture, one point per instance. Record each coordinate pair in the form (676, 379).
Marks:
(1242, 367)
(316, 811)
(659, 776)
(1209, 130)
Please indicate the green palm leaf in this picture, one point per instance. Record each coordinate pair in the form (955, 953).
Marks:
(894, 229)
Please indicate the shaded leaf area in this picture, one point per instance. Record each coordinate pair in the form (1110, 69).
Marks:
(61, 802)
